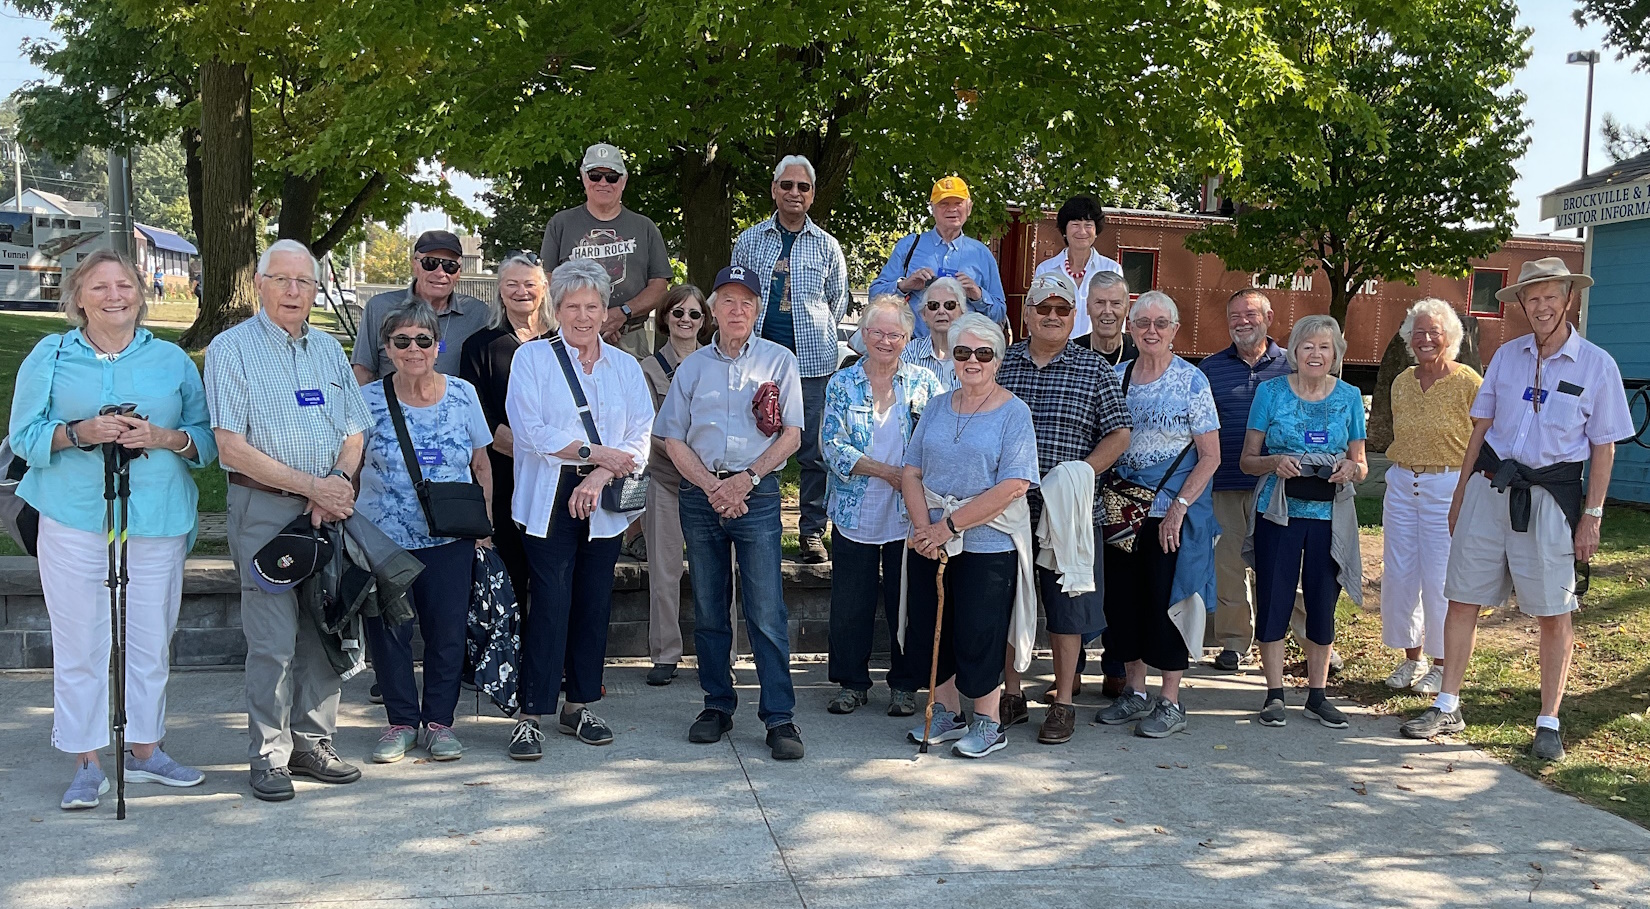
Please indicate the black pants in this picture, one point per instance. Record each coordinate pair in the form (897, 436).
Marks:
(441, 598)
(860, 571)
(506, 533)
(566, 629)
(1138, 587)
(979, 601)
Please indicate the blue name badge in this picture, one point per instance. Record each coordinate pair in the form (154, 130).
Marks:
(310, 397)
(1317, 437)
(441, 347)
(430, 457)
(1530, 392)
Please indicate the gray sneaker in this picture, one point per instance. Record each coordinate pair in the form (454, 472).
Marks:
(1548, 745)
(902, 703)
(1328, 714)
(984, 737)
(160, 768)
(848, 700)
(441, 743)
(1433, 722)
(1273, 714)
(947, 727)
(89, 783)
(393, 744)
(1166, 720)
(1129, 706)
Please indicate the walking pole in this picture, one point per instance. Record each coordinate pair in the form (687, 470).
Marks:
(117, 685)
(124, 469)
(934, 661)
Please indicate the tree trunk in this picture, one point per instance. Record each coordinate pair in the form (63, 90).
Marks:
(707, 215)
(1394, 362)
(228, 226)
(300, 199)
(348, 218)
(192, 175)
(832, 156)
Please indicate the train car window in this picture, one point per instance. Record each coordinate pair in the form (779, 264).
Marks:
(1485, 282)
(1140, 269)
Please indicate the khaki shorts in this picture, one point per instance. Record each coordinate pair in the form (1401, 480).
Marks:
(1489, 560)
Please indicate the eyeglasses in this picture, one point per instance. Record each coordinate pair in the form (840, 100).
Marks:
(799, 186)
(307, 285)
(431, 263)
(1059, 309)
(1429, 335)
(402, 342)
(690, 313)
(1159, 324)
(964, 354)
(526, 255)
(605, 176)
(934, 305)
(877, 334)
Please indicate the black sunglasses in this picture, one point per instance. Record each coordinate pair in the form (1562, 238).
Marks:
(788, 185)
(609, 177)
(431, 263)
(963, 354)
(1584, 578)
(528, 256)
(1059, 309)
(402, 342)
(690, 313)
(934, 305)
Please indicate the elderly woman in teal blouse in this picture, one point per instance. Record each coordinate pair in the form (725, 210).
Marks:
(106, 358)
(871, 409)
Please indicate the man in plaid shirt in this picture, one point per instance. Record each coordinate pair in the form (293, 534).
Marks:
(1078, 413)
(807, 279)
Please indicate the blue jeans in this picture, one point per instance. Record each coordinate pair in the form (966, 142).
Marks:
(441, 597)
(712, 544)
(809, 457)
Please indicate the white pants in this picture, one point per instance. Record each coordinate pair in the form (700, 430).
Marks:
(1415, 553)
(74, 566)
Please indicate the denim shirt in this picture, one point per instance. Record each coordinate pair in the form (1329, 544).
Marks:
(64, 379)
(845, 431)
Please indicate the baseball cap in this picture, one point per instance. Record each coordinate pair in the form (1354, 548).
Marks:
(949, 188)
(603, 155)
(737, 274)
(293, 555)
(1053, 284)
(432, 240)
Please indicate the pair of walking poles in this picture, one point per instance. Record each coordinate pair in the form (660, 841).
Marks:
(117, 496)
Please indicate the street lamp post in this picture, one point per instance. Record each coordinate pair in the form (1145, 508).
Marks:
(1590, 59)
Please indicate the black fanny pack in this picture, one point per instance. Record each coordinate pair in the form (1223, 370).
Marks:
(1309, 489)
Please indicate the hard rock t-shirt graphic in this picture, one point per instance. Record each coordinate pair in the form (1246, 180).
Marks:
(604, 245)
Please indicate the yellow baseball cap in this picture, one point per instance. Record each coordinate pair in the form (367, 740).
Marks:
(949, 188)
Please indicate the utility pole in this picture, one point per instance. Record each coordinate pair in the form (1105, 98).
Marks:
(1590, 59)
(16, 151)
(120, 197)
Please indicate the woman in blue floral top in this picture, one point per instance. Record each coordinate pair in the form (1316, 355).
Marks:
(449, 435)
(870, 410)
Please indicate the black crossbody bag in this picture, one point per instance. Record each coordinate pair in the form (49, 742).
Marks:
(622, 494)
(450, 509)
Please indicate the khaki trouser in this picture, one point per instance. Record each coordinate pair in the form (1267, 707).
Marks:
(662, 525)
(291, 688)
(638, 342)
(1233, 627)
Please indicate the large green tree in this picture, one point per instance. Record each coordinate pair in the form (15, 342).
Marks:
(1410, 163)
(1626, 26)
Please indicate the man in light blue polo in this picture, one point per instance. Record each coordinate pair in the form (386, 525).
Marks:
(945, 252)
(731, 419)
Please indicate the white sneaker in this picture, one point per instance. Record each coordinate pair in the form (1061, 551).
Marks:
(1431, 682)
(1408, 673)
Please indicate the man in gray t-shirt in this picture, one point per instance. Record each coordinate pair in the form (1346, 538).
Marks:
(627, 244)
(459, 315)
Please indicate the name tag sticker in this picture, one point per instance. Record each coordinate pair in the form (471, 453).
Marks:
(1530, 392)
(441, 347)
(1317, 437)
(310, 397)
(1565, 388)
(430, 457)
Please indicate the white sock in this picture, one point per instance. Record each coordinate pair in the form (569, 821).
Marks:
(1449, 703)
(1547, 722)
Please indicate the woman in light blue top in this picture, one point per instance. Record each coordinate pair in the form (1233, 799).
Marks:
(447, 430)
(871, 409)
(55, 426)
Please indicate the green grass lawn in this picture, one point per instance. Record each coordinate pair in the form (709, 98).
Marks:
(1606, 728)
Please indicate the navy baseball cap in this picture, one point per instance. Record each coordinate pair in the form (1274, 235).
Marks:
(737, 274)
(293, 555)
(432, 240)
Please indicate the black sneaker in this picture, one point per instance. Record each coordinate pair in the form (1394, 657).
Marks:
(375, 695)
(1328, 714)
(323, 764)
(527, 741)
(1433, 722)
(1548, 745)
(586, 727)
(710, 726)
(811, 551)
(785, 742)
(661, 674)
(1273, 714)
(272, 785)
(1227, 660)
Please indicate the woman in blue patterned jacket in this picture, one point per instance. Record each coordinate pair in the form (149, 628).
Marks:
(870, 410)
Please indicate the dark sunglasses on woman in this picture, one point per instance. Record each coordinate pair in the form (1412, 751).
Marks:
(963, 354)
(431, 263)
(934, 305)
(402, 342)
(690, 313)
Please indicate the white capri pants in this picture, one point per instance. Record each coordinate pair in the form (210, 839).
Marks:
(1415, 553)
(74, 566)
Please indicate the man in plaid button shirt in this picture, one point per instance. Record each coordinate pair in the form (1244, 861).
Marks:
(807, 280)
(1078, 413)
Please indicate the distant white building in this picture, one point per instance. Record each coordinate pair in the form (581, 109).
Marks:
(40, 202)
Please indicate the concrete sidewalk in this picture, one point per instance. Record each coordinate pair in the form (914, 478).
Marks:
(1232, 814)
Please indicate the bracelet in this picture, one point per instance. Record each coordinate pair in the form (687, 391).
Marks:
(188, 440)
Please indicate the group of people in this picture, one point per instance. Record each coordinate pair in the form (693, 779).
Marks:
(1154, 505)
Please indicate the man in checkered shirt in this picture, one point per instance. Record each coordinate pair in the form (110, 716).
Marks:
(1078, 413)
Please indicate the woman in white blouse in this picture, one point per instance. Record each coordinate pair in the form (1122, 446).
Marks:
(572, 541)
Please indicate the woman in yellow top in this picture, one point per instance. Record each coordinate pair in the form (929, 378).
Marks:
(1430, 428)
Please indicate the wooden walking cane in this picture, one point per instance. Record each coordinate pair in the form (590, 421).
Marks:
(934, 661)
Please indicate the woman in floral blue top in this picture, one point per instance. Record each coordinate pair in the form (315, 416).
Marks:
(449, 435)
(870, 410)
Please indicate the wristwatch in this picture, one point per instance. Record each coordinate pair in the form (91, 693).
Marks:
(584, 452)
(756, 478)
(1594, 512)
(628, 312)
(1183, 503)
(74, 437)
(335, 472)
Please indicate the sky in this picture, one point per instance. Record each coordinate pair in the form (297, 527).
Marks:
(1555, 107)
